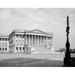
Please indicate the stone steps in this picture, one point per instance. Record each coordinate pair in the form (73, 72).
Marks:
(44, 51)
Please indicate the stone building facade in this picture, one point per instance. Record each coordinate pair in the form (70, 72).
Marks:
(19, 39)
(4, 44)
(32, 38)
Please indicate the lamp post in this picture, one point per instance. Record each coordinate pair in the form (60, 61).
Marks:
(67, 58)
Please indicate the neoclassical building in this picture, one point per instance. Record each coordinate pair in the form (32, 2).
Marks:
(18, 40)
(33, 38)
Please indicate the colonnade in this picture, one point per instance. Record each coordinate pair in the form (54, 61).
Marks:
(36, 40)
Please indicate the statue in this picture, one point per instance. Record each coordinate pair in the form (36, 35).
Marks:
(67, 59)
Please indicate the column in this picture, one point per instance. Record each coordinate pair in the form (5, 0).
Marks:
(46, 41)
(32, 40)
(43, 40)
(29, 40)
(38, 40)
(35, 40)
(26, 39)
(50, 42)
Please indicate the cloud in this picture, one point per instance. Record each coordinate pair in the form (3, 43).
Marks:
(46, 19)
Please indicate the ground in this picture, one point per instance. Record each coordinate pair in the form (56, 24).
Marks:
(23, 60)
(30, 62)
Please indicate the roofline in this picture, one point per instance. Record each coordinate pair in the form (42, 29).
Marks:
(48, 33)
(22, 31)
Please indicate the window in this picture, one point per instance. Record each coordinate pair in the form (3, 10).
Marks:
(3, 49)
(5, 39)
(16, 48)
(16, 35)
(6, 49)
(0, 39)
(23, 36)
(0, 49)
(20, 35)
(20, 48)
(23, 48)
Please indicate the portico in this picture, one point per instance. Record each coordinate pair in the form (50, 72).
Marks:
(38, 39)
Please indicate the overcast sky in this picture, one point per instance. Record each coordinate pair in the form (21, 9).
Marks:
(49, 20)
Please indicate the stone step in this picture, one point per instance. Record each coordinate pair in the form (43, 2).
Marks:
(44, 51)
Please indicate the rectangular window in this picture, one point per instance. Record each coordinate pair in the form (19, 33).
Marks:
(23, 48)
(0, 39)
(0, 49)
(5, 39)
(3, 49)
(20, 48)
(6, 49)
(16, 48)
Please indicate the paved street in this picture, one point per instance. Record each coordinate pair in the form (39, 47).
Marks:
(30, 62)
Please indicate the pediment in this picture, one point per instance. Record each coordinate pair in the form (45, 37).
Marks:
(37, 31)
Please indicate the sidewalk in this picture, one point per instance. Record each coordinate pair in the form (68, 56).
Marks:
(36, 56)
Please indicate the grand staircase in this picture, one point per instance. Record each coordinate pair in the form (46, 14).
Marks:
(43, 50)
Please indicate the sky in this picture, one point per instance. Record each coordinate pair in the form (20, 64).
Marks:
(46, 19)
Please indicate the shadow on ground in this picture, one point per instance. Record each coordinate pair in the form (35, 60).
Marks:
(30, 62)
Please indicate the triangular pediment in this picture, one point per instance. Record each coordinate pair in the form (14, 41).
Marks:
(37, 31)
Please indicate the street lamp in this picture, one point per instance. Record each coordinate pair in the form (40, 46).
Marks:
(67, 59)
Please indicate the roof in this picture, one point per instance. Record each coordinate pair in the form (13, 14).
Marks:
(4, 35)
(40, 32)
(37, 31)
